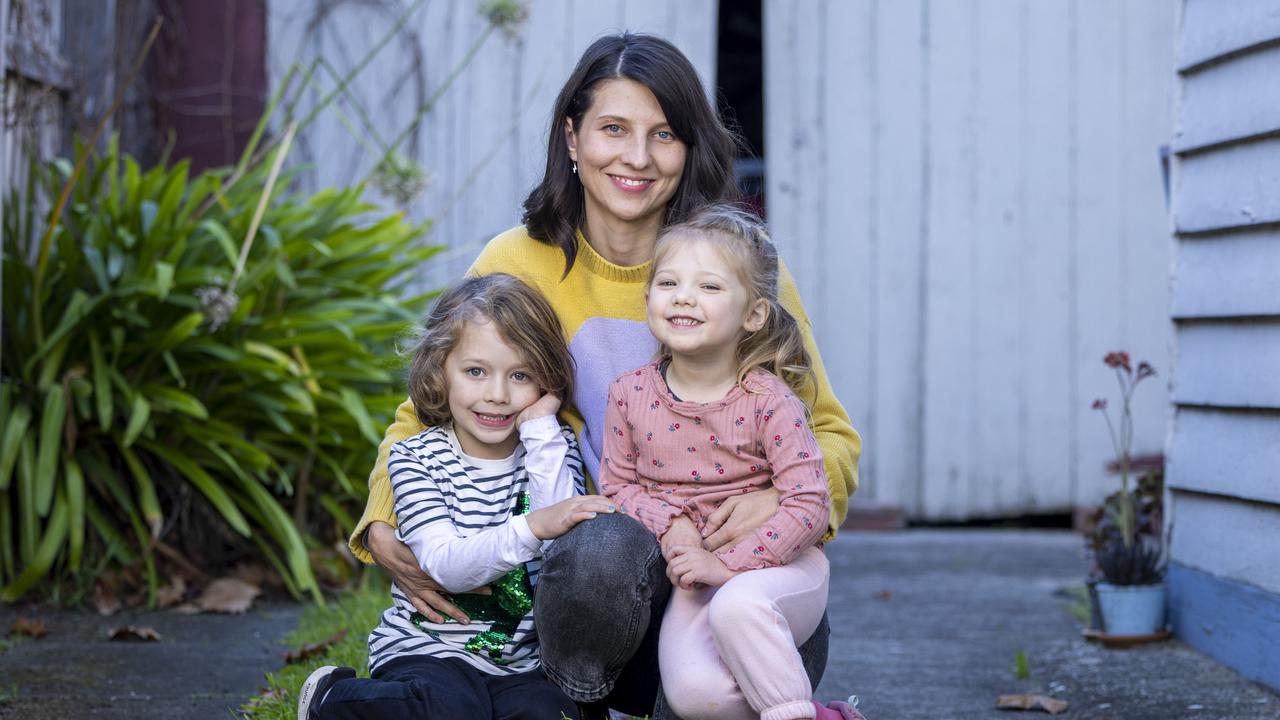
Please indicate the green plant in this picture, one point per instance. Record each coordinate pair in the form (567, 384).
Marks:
(149, 387)
(1125, 540)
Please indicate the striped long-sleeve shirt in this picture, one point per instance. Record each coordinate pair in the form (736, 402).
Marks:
(455, 512)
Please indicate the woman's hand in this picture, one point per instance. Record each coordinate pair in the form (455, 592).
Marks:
(693, 566)
(739, 516)
(555, 520)
(396, 558)
(682, 533)
(546, 405)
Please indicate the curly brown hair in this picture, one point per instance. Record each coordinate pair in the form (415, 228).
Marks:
(523, 319)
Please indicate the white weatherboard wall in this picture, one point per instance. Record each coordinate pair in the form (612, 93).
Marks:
(1224, 453)
(970, 195)
(484, 143)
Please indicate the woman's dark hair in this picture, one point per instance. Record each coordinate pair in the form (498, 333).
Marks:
(555, 209)
(524, 320)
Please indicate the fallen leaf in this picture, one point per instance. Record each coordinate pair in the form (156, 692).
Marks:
(171, 594)
(1028, 701)
(105, 599)
(883, 595)
(187, 609)
(313, 649)
(228, 595)
(31, 627)
(133, 632)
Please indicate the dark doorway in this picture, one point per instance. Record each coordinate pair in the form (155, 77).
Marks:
(740, 79)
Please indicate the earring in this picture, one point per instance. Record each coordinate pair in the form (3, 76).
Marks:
(575, 168)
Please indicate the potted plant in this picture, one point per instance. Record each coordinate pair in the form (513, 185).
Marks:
(1127, 550)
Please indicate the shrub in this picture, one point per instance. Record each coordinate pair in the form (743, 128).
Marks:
(145, 407)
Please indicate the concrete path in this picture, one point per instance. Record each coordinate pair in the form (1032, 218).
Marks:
(204, 666)
(925, 624)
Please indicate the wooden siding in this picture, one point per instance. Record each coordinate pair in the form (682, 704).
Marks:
(1228, 538)
(1226, 452)
(970, 196)
(1222, 474)
(484, 143)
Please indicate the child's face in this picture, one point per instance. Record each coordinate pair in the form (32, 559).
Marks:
(489, 384)
(698, 307)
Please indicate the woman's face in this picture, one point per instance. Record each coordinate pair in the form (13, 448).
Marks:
(629, 160)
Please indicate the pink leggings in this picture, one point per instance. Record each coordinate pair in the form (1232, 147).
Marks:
(730, 652)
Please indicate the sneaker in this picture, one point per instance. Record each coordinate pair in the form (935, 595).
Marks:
(317, 686)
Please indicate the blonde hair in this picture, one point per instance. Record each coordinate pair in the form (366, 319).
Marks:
(524, 320)
(743, 241)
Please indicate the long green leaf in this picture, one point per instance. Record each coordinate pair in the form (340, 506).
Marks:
(165, 398)
(51, 425)
(28, 519)
(15, 428)
(139, 414)
(148, 502)
(77, 308)
(42, 559)
(204, 483)
(101, 382)
(354, 405)
(180, 331)
(75, 512)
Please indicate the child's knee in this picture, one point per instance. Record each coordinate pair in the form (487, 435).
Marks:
(735, 614)
(697, 692)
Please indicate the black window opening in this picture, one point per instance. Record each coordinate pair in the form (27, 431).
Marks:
(740, 100)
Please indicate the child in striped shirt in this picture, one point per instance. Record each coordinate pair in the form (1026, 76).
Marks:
(477, 496)
(715, 417)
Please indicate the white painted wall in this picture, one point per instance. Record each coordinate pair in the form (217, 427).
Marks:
(1224, 453)
(970, 195)
(484, 144)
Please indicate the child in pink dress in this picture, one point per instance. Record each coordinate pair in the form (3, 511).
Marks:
(715, 417)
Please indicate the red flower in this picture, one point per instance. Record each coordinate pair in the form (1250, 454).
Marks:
(1099, 404)
(1117, 359)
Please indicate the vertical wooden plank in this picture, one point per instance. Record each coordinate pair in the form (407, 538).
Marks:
(949, 424)
(1047, 153)
(1149, 77)
(891, 457)
(843, 250)
(1100, 198)
(796, 166)
(589, 19)
(997, 257)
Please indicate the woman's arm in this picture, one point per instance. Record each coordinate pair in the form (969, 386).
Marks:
(381, 506)
(797, 468)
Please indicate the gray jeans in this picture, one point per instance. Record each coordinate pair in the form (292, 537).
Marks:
(601, 594)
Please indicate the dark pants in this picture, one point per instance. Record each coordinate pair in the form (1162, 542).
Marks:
(602, 590)
(431, 688)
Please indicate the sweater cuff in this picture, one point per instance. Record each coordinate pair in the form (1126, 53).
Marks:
(544, 427)
(384, 511)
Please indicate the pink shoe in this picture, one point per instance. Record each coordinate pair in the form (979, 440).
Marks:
(837, 710)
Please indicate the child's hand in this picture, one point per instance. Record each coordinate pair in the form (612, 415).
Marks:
(693, 566)
(682, 533)
(556, 520)
(546, 405)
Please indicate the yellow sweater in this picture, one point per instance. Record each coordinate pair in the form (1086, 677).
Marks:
(602, 308)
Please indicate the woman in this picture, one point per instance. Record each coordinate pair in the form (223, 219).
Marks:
(634, 145)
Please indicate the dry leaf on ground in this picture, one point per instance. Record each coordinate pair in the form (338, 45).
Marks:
(171, 594)
(133, 632)
(104, 599)
(228, 595)
(1029, 701)
(312, 649)
(31, 627)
